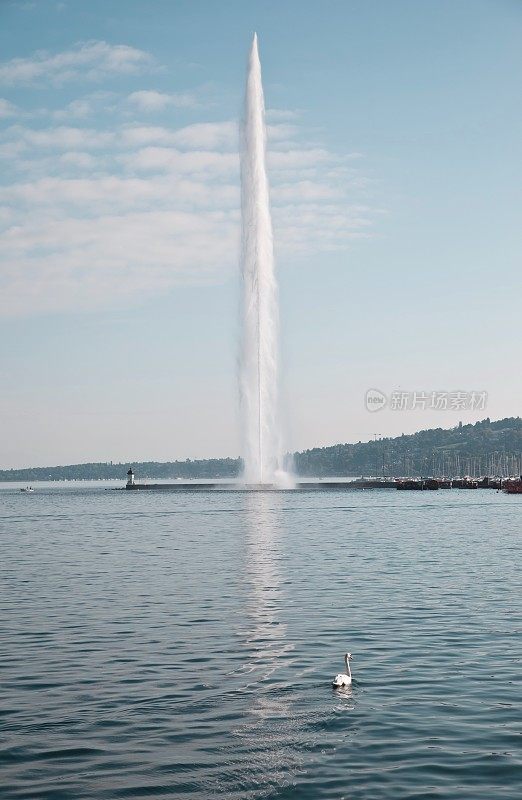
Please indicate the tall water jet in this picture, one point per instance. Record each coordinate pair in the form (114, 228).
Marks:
(261, 437)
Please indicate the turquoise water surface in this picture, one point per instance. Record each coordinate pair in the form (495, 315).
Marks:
(183, 645)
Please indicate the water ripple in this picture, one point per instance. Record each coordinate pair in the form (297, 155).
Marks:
(183, 645)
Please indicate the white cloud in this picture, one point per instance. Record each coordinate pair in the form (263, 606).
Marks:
(86, 264)
(200, 136)
(306, 227)
(79, 159)
(208, 135)
(305, 191)
(80, 108)
(7, 109)
(281, 114)
(299, 157)
(91, 60)
(11, 150)
(58, 138)
(281, 132)
(227, 135)
(161, 159)
(150, 100)
(50, 197)
(100, 217)
(218, 136)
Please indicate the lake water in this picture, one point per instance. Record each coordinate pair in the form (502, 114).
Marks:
(183, 645)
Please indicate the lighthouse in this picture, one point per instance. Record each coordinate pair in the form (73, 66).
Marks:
(130, 478)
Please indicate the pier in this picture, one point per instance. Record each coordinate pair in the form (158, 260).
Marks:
(404, 484)
(199, 486)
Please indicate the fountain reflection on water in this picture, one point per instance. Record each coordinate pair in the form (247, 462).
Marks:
(267, 640)
(269, 653)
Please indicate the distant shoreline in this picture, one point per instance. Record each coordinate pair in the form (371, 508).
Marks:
(483, 448)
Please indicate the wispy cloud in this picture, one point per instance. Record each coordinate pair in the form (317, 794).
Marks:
(91, 60)
(58, 138)
(282, 114)
(80, 108)
(7, 109)
(112, 259)
(95, 216)
(150, 101)
(173, 161)
(207, 135)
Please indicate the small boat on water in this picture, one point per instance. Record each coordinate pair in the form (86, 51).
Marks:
(411, 485)
(417, 484)
(512, 485)
(464, 483)
(27, 489)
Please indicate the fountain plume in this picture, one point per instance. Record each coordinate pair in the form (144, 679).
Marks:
(261, 436)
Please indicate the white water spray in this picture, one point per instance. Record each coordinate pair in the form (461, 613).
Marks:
(261, 435)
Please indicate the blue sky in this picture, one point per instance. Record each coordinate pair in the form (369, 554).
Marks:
(395, 167)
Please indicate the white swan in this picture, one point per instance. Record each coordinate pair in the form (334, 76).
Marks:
(344, 678)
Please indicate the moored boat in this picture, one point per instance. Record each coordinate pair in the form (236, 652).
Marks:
(464, 483)
(420, 484)
(512, 485)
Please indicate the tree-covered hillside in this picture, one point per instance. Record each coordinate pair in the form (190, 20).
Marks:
(493, 448)
(209, 468)
(483, 448)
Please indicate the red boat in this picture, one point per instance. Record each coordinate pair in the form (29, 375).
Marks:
(512, 485)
